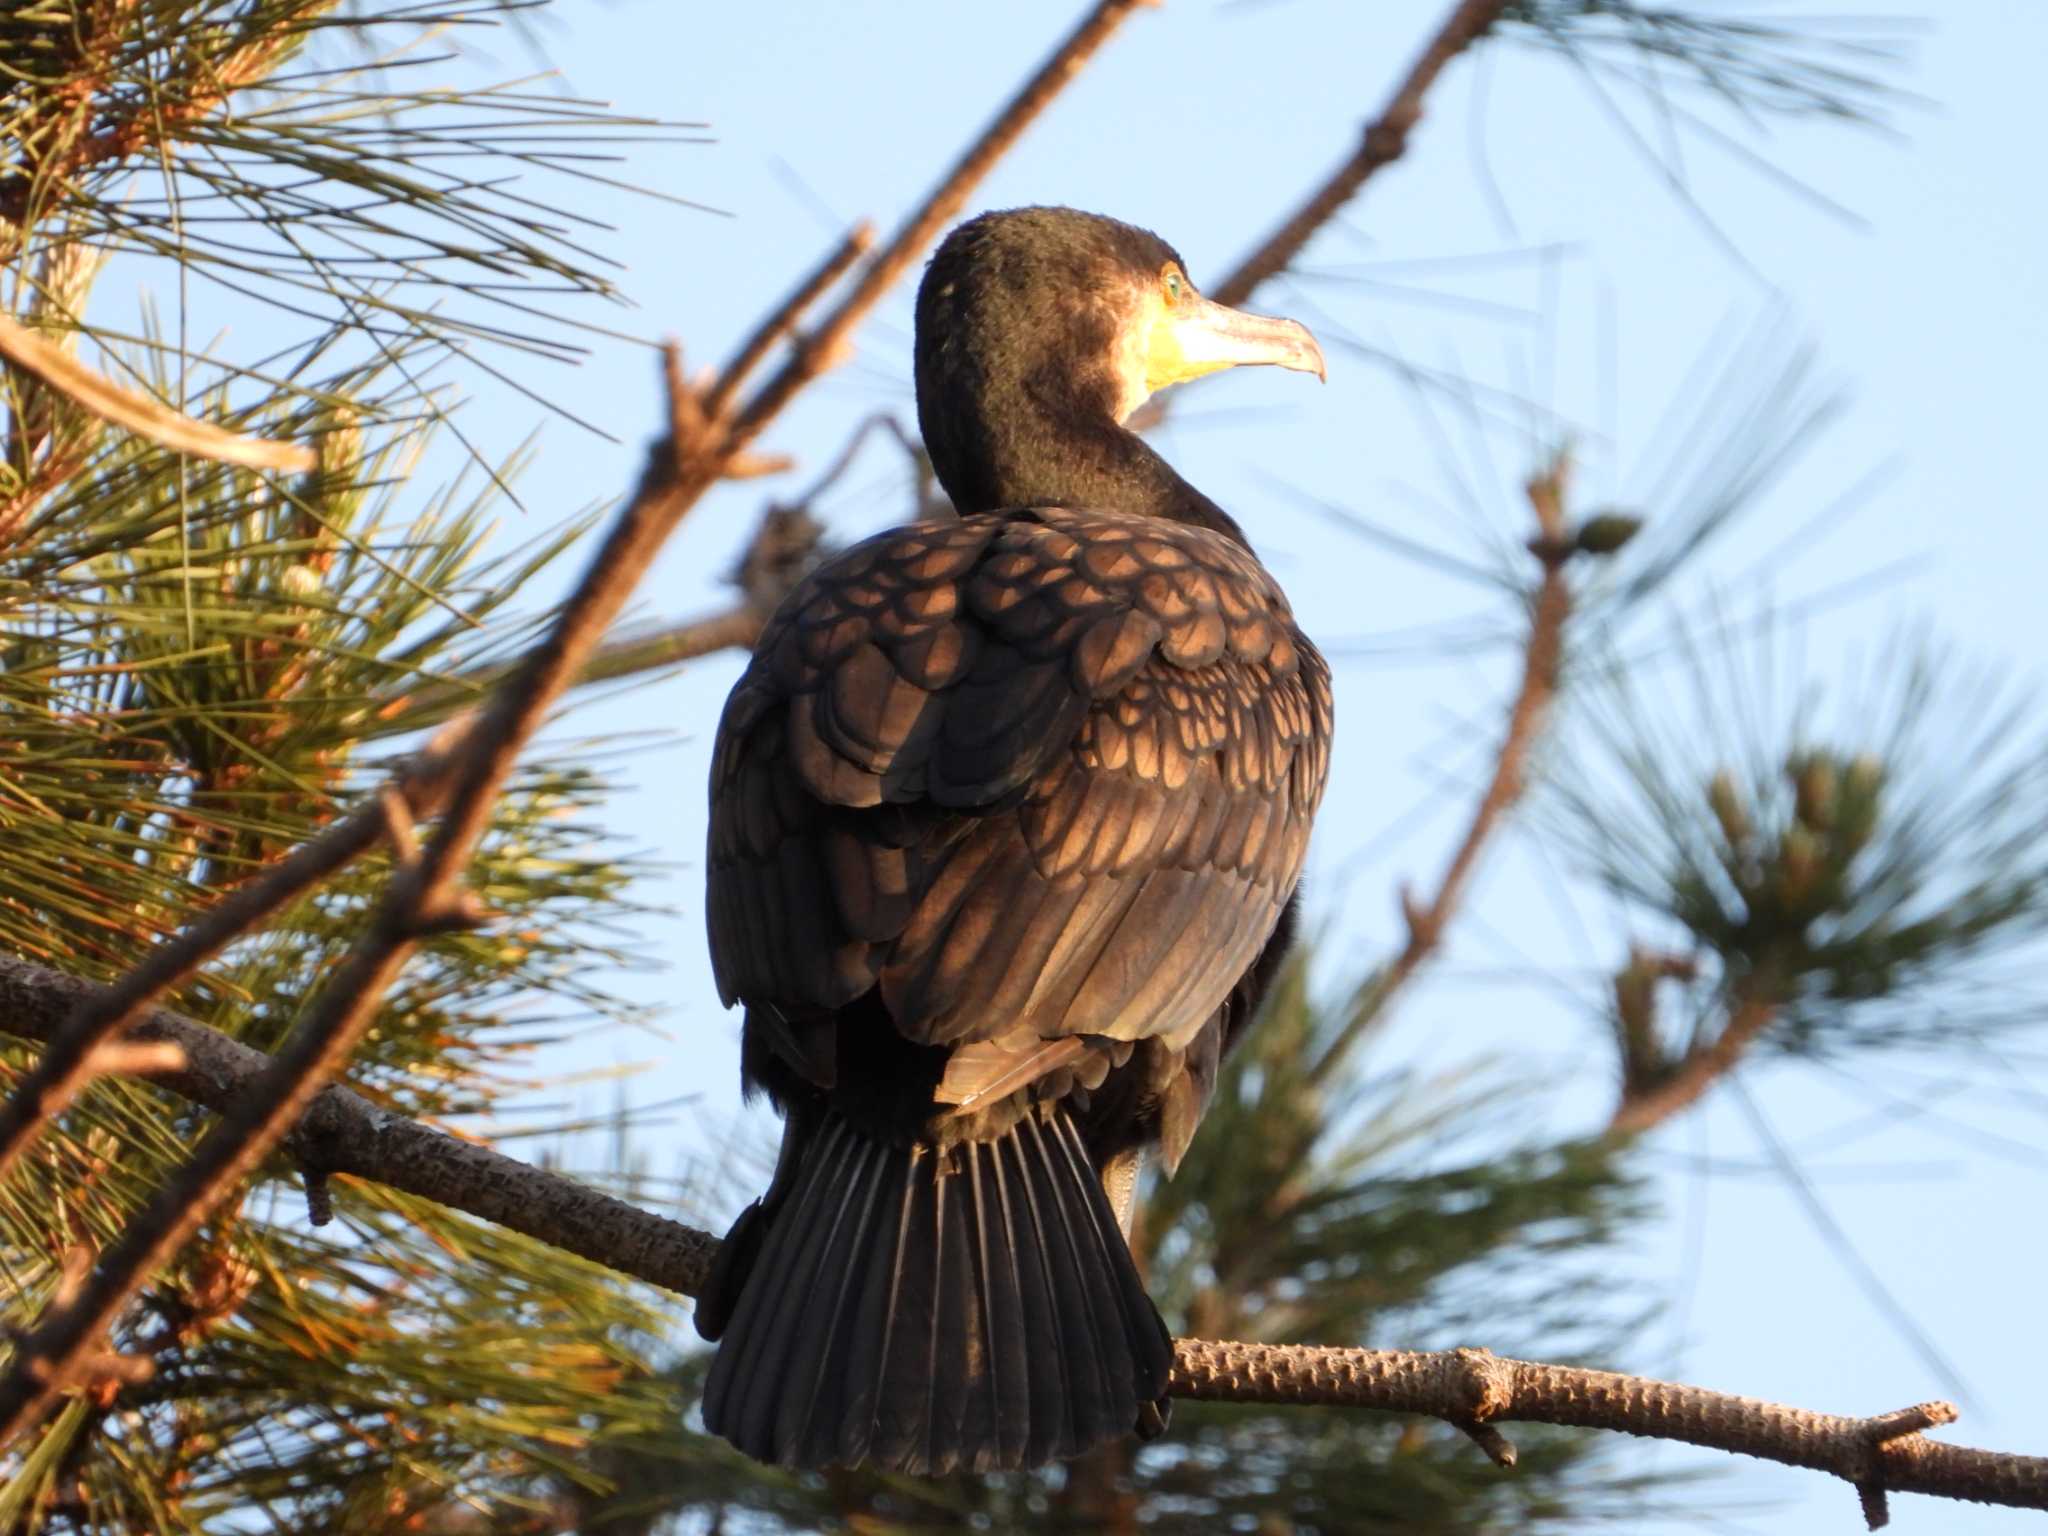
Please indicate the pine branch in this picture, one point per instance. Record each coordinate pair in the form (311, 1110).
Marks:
(55, 151)
(425, 896)
(1542, 654)
(137, 412)
(79, 1051)
(1384, 141)
(1645, 1105)
(1471, 1389)
(1831, 878)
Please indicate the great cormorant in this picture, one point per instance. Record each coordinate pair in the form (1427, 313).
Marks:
(1007, 817)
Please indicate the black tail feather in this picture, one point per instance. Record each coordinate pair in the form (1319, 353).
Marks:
(820, 1332)
(780, 1296)
(1068, 1247)
(928, 1312)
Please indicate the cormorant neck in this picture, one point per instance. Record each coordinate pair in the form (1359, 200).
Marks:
(1042, 458)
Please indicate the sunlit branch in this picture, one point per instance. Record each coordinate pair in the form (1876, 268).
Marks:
(137, 412)
(344, 1135)
(1427, 919)
(1383, 141)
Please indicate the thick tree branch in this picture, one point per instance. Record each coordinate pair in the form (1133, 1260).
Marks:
(344, 1134)
(1467, 1387)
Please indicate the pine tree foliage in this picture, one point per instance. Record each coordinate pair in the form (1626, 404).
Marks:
(199, 669)
(201, 666)
(1863, 858)
(1747, 62)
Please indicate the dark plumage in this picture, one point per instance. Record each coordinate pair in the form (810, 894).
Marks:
(1008, 815)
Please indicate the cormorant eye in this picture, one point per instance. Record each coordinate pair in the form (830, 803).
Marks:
(1173, 286)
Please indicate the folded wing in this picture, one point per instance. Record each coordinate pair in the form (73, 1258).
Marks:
(1033, 775)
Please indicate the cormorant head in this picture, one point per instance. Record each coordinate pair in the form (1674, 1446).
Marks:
(1038, 329)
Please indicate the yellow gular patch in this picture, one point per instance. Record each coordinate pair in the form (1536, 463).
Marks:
(1133, 359)
(1166, 359)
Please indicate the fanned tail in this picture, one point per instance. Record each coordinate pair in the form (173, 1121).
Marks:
(922, 1311)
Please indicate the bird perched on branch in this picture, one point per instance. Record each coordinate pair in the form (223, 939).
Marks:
(1007, 817)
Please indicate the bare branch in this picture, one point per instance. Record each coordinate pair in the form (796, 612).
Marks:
(783, 547)
(786, 316)
(1542, 653)
(827, 345)
(1384, 141)
(1876, 1455)
(940, 207)
(734, 628)
(137, 412)
(343, 1134)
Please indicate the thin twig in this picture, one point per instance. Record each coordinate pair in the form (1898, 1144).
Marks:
(1652, 1103)
(884, 421)
(783, 548)
(786, 316)
(940, 207)
(344, 1135)
(733, 628)
(1384, 141)
(1542, 653)
(137, 412)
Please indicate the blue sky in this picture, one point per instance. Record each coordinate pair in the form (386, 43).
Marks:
(1206, 122)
